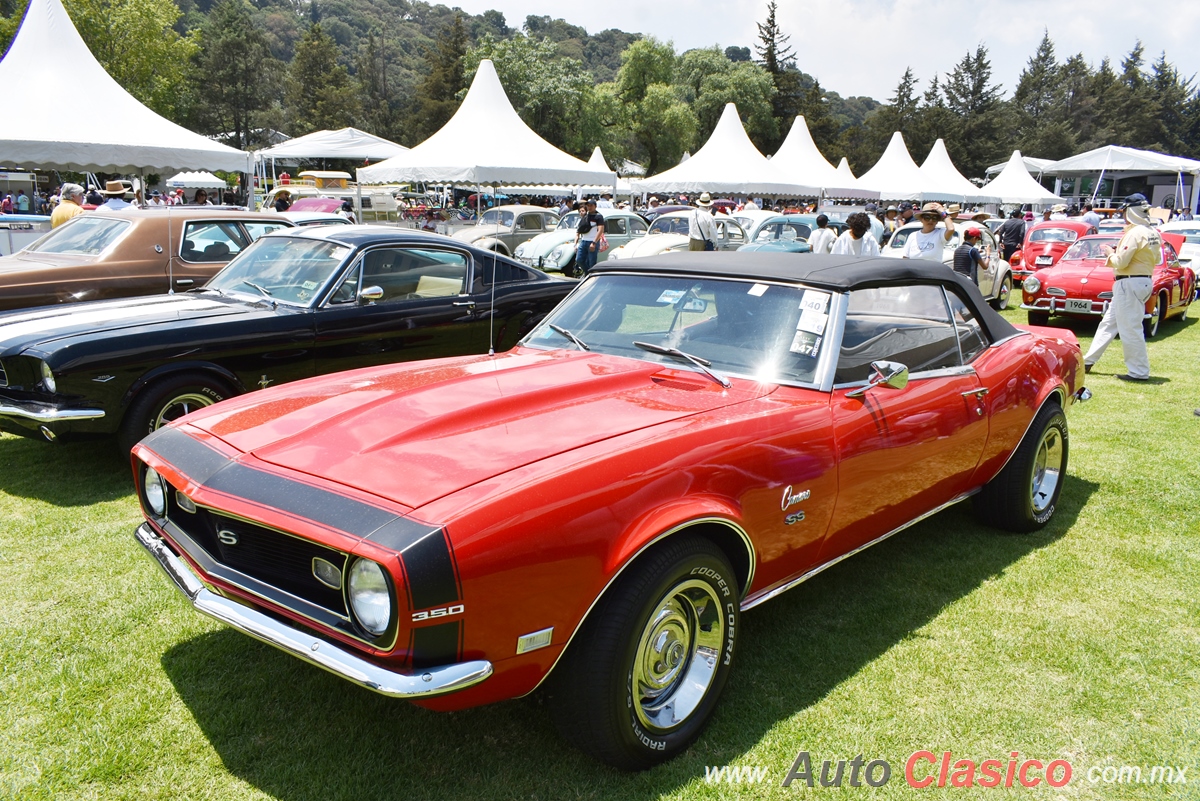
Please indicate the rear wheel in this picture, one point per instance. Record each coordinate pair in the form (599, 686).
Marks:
(1022, 497)
(1000, 303)
(1150, 325)
(643, 675)
(1039, 318)
(166, 400)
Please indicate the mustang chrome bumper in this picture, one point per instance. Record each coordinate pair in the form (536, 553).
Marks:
(45, 413)
(322, 653)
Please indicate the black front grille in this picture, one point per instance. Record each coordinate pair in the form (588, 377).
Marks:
(279, 560)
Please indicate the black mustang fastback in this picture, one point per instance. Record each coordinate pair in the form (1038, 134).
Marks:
(293, 305)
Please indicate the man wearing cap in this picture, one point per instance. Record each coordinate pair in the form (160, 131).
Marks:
(587, 235)
(1132, 264)
(283, 200)
(967, 258)
(156, 198)
(69, 206)
(115, 192)
(929, 242)
(702, 231)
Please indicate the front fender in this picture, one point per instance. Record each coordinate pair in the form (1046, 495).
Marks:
(492, 243)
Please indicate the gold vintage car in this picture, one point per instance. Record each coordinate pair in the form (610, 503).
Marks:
(116, 254)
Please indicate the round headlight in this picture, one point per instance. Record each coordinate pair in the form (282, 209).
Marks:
(560, 254)
(370, 597)
(1031, 285)
(156, 492)
(520, 251)
(48, 378)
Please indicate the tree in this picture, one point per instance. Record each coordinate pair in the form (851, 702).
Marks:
(236, 76)
(1039, 105)
(438, 96)
(975, 101)
(819, 118)
(747, 86)
(900, 114)
(660, 122)
(319, 91)
(778, 58)
(736, 54)
(644, 63)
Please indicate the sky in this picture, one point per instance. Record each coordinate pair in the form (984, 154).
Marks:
(862, 47)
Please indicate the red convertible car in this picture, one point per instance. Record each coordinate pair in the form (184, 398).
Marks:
(1045, 243)
(1081, 284)
(683, 438)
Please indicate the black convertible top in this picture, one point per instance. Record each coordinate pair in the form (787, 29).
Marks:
(838, 273)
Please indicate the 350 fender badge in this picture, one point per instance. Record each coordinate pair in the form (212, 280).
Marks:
(791, 498)
(442, 611)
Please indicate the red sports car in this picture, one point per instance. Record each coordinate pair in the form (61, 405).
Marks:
(1081, 284)
(1045, 243)
(683, 438)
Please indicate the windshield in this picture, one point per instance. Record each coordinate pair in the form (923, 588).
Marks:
(1053, 235)
(1089, 248)
(766, 332)
(282, 268)
(569, 222)
(85, 235)
(670, 225)
(779, 229)
(497, 217)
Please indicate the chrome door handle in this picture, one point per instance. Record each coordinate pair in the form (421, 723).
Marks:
(977, 392)
(184, 281)
(467, 303)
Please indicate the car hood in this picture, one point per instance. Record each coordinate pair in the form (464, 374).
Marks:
(42, 327)
(652, 244)
(1069, 274)
(477, 232)
(417, 432)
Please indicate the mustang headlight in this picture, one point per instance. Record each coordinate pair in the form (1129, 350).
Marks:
(156, 492)
(48, 379)
(1031, 285)
(370, 596)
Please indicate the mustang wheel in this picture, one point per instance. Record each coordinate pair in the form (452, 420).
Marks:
(1151, 324)
(1001, 301)
(642, 677)
(1039, 318)
(167, 400)
(1023, 496)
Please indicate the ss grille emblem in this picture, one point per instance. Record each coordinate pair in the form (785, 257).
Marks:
(227, 537)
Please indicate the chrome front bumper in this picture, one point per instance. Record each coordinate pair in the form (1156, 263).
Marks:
(322, 653)
(45, 413)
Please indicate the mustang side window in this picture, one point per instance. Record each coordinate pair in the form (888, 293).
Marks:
(502, 271)
(906, 324)
(414, 273)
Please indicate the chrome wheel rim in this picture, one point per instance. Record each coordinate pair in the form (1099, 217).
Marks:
(1156, 317)
(1005, 291)
(677, 655)
(1047, 469)
(179, 406)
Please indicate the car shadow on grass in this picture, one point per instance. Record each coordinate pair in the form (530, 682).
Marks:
(295, 732)
(63, 474)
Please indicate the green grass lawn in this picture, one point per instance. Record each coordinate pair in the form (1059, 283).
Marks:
(1081, 642)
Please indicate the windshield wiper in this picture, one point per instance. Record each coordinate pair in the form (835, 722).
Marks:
(703, 364)
(560, 330)
(261, 289)
(207, 289)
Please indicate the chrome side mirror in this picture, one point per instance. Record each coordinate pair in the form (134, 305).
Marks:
(887, 374)
(370, 294)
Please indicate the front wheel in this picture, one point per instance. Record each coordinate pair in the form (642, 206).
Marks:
(167, 400)
(1150, 325)
(1022, 497)
(643, 675)
(1000, 303)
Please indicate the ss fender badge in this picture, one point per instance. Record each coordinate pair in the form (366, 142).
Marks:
(791, 498)
(795, 517)
(441, 611)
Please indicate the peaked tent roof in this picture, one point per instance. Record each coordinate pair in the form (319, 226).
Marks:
(1114, 158)
(346, 143)
(1032, 165)
(1014, 184)
(895, 176)
(799, 159)
(942, 180)
(728, 163)
(49, 73)
(485, 142)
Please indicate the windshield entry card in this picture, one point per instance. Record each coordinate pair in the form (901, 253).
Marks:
(670, 296)
(757, 290)
(815, 301)
(806, 344)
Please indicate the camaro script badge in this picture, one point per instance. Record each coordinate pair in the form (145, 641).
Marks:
(792, 498)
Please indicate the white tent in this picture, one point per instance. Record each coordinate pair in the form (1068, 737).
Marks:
(484, 143)
(799, 159)
(1128, 162)
(196, 180)
(61, 109)
(895, 176)
(727, 164)
(346, 143)
(556, 190)
(1014, 184)
(1032, 166)
(941, 180)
